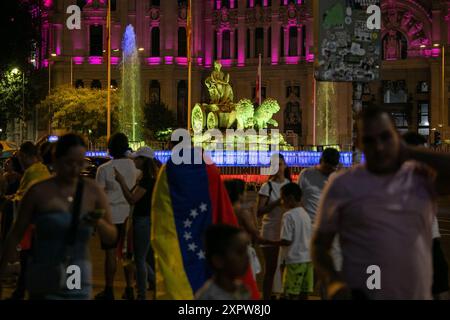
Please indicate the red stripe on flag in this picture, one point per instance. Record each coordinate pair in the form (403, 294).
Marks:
(222, 212)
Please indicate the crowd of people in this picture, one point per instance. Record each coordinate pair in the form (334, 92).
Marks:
(320, 234)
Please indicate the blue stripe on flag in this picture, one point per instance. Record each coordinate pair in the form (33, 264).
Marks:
(189, 191)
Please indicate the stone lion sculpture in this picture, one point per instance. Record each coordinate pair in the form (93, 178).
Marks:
(263, 114)
(243, 113)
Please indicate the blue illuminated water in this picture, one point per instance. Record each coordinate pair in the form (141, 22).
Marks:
(130, 109)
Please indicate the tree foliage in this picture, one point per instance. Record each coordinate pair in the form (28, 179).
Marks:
(80, 110)
(19, 94)
(158, 119)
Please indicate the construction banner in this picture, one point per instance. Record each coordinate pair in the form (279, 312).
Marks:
(348, 34)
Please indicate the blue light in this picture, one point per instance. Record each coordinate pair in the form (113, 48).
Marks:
(300, 159)
(53, 139)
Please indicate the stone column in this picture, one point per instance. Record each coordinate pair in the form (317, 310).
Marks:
(140, 20)
(242, 34)
(436, 26)
(208, 33)
(308, 37)
(169, 27)
(197, 32)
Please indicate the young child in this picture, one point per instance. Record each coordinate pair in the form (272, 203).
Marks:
(296, 232)
(226, 252)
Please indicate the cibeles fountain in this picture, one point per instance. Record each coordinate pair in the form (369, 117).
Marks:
(223, 113)
(130, 110)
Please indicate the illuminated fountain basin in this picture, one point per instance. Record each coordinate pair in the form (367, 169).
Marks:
(302, 159)
(130, 109)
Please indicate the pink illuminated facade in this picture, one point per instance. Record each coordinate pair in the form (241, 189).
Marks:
(235, 32)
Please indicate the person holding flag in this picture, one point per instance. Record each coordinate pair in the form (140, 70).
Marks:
(188, 198)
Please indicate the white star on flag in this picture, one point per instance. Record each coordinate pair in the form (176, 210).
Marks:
(187, 223)
(203, 207)
(194, 213)
(201, 255)
(192, 247)
(187, 236)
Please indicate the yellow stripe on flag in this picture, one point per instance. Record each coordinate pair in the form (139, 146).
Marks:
(171, 279)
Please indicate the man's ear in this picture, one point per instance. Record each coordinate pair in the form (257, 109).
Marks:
(217, 262)
(357, 140)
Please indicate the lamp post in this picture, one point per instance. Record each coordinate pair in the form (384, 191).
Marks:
(189, 56)
(108, 102)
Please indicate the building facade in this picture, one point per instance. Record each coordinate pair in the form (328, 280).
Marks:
(236, 32)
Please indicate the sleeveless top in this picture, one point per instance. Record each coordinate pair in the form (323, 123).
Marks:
(49, 247)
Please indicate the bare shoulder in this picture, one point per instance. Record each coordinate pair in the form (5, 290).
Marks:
(91, 185)
(41, 188)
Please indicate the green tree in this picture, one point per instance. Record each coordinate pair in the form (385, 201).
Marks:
(79, 110)
(158, 120)
(19, 95)
(11, 99)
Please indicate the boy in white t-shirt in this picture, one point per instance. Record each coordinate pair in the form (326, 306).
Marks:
(295, 238)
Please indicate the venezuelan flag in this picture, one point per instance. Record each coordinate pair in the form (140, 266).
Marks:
(186, 200)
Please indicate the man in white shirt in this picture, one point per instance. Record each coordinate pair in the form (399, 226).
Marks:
(120, 208)
(312, 180)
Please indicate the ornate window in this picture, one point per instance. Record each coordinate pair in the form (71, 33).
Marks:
(96, 40)
(182, 42)
(218, 4)
(226, 44)
(395, 92)
(424, 118)
(236, 43)
(215, 45)
(155, 42)
(79, 84)
(182, 103)
(259, 42)
(395, 46)
(96, 84)
(293, 112)
(281, 42)
(155, 92)
(247, 47)
(293, 42)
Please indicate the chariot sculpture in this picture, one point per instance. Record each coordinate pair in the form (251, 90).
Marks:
(223, 113)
